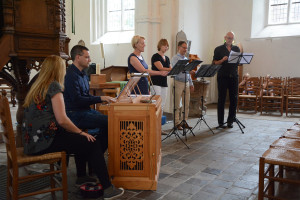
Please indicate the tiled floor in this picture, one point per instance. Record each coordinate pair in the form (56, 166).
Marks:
(219, 166)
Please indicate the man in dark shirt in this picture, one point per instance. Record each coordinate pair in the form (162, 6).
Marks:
(227, 80)
(78, 101)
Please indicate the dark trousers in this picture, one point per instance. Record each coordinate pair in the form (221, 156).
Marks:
(74, 143)
(229, 83)
(90, 119)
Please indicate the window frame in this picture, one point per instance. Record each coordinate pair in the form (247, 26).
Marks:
(287, 17)
(122, 29)
(98, 25)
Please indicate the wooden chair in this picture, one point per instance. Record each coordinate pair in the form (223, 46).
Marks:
(272, 96)
(16, 159)
(5, 85)
(292, 95)
(249, 98)
(271, 170)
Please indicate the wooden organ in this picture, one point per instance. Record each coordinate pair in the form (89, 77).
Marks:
(134, 140)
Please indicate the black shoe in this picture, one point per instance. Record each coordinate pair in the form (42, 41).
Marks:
(229, 125)
(112, 193)
(222, 126)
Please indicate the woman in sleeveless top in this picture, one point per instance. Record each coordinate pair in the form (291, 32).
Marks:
(137, 64)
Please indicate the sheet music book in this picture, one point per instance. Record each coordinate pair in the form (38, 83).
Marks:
(240, 58)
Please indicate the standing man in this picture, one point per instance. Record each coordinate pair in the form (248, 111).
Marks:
(78, 100)
(227, 80)
(183, 82)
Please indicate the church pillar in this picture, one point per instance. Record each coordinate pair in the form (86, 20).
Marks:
(148, 25)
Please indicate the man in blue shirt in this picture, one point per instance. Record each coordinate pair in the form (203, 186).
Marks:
(183, 82)
(78, 101)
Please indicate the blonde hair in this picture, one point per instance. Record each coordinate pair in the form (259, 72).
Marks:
(135, 39)
(53, 69)
(162, 42)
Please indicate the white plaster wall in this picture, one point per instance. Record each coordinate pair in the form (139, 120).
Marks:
(205, 23)
(115, 54)
(277, 56)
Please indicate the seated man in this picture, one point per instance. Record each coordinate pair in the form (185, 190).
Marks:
(78, 101)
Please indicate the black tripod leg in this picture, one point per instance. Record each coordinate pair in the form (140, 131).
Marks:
(184, 124)
(174, 132)
(199, 120)
(240, 127)
(238, 121)
(239, 124)
(207, 125)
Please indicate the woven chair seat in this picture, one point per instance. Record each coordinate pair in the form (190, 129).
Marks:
(280, 156)
(272, 97)
(45, 158)
(247, 96)
(294, 97)
(295, 127)
(287, 143)
(295, 134)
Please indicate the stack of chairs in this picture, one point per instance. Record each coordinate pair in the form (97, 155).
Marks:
(292, 95)
(282, 156)
(272, 95)
(249, 96)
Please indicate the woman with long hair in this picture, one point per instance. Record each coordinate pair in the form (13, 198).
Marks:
(47, 128)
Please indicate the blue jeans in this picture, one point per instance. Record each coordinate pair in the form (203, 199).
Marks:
(90, 119)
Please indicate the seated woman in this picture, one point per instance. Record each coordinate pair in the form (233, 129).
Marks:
(47, 128)
(136, 63)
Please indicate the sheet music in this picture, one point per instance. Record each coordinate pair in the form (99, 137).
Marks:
(233, 57)
(240, 58)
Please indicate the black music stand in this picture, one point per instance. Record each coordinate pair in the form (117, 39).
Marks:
(179, 67)
(239, 58)
(205, 71)
(183, 122)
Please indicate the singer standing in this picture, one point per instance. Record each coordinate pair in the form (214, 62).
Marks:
(227, 80)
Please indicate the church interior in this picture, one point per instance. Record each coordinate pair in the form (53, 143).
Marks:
(259, 158)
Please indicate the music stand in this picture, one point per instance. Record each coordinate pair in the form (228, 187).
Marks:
(205, 71)
(183, 122)
(179, 67)
(239, 58)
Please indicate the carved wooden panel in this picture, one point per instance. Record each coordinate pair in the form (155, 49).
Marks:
(132, 145)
